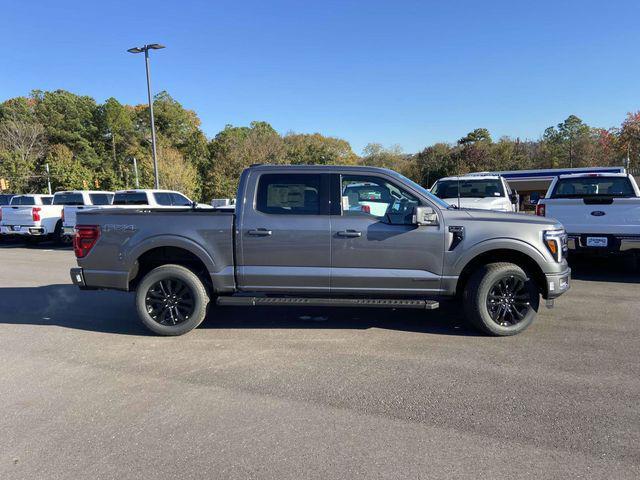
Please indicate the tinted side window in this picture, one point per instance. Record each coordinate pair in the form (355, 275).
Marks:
(163, 198)
(180, 200)
(289, 194)
(101, 198)
(130, 198)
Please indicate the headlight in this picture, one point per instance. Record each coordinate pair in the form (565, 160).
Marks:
(556, 242)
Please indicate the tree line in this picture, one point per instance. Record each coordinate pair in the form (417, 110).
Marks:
(91, 144)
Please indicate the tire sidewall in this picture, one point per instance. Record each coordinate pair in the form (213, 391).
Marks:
(193, 282)
(476, 302)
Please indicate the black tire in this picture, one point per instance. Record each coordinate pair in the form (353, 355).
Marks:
(501, 299)
(58, 235)
(159, 309)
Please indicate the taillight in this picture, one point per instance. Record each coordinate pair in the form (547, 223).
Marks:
(35, 214)
(366, 208)
(541, 210)
(84, 239)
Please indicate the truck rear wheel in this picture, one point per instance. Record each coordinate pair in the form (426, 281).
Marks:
(171, 300)
(500, 299)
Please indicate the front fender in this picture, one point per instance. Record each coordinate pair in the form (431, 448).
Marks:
(520, 246)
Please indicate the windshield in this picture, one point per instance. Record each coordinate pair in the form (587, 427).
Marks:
(130, 198)
(593, 187)
(68, 199)
(423, 191)
(481, 188)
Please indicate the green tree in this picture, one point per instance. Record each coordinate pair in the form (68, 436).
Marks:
(66, 170)
(316, 149)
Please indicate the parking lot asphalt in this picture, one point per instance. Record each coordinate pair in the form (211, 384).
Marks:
(85, 392)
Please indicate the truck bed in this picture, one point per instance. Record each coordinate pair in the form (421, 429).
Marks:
(125, 234)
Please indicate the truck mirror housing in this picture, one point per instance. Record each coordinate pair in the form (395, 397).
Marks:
(514, 197)
(423, 215)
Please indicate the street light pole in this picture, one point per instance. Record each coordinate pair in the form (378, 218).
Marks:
(145, 49)
(135, 169)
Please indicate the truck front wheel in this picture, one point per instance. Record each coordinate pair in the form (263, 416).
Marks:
(171, 300)
(500, 299)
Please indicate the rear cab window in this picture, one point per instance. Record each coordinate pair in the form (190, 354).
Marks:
(292, 194)
(130, 198)
(101, 198)
(68, 199)
(23, 200)
(593, 187)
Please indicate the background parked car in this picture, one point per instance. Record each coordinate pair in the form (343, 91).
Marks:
(600, 212)
(78, 200)
(152, 198)
(484, 191)
(31, 217)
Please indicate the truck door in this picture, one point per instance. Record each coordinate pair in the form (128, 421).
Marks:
(285, 233)
(375, 248)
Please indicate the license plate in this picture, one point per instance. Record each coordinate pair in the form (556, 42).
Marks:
(16, 228)
(597, 241)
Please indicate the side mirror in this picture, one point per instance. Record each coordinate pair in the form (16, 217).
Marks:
(424, 216)
(514, 197)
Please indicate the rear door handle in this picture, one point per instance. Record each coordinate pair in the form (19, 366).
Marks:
(260, 232)
(349, 233)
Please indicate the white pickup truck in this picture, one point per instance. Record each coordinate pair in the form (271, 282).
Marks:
(151, 198)
(485, 191)
(600, 211)
(80, 200)
(31, 216)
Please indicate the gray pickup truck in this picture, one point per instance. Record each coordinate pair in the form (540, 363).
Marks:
(324, 236)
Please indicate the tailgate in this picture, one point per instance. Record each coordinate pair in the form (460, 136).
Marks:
(17, 215)
(617, 216)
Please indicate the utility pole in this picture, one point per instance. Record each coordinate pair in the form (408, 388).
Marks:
(46, 167)
(135, 169)
(145, 49)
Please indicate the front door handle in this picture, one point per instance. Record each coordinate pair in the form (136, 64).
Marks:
(349, 233)
(260, 232)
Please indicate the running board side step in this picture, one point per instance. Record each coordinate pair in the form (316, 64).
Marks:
(243, 301)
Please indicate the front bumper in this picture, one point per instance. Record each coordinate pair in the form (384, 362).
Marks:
(558, 283)
(615, 243)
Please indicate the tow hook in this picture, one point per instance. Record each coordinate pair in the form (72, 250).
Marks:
(549, 302)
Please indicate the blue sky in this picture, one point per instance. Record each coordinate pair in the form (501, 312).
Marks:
(394, 72)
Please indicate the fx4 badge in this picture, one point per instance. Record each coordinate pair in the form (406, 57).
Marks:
(116, 227)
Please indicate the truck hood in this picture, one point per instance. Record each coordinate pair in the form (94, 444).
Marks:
(487, 203)
(491, 216)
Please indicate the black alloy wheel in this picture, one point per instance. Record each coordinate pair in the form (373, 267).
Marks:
(508, 300)
(170, 301)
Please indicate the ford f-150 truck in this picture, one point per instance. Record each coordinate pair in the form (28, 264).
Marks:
(600, 212)
(300, 237)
